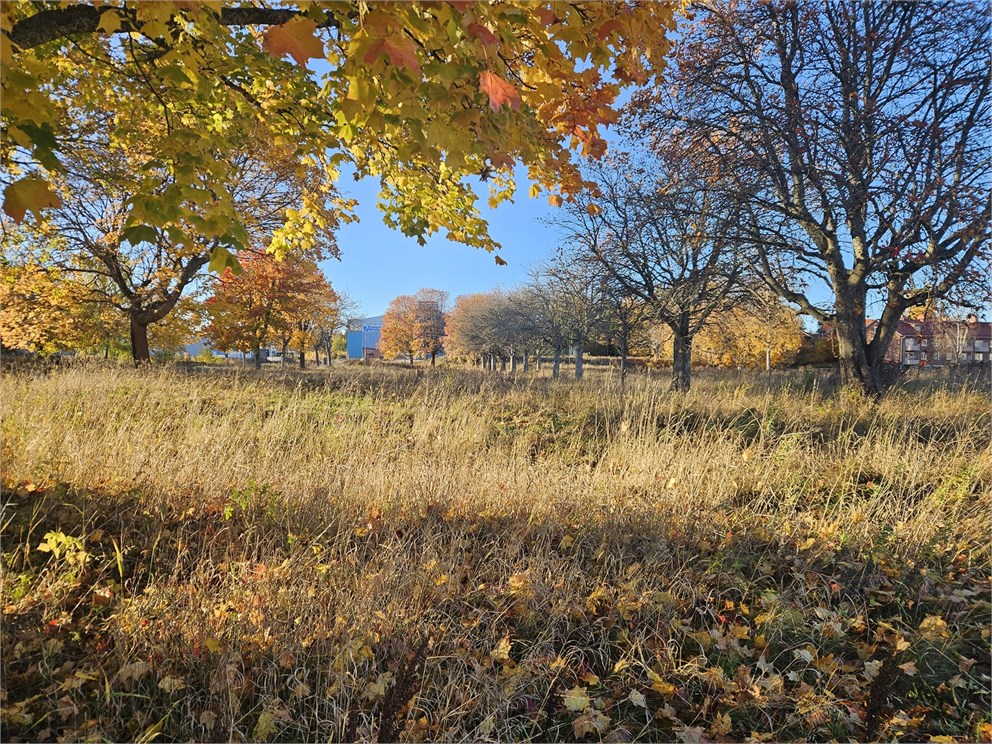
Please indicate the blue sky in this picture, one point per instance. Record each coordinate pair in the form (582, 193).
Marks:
(379, 263)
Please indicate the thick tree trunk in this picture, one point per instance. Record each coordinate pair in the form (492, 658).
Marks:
(513, 362)
(411, 358)
(556, 363)
(681, 356)
(139, 342)
(258, 357)
(303, 358)
(861, 362)
(285, 349)
(330, 355)
(578, 361)
(526, 361)
(502, 363)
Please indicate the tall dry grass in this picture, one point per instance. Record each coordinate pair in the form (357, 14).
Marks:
(378, 553)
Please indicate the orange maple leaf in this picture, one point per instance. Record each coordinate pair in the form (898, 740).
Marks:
(499, 91)
(401, 50)
(296, 38)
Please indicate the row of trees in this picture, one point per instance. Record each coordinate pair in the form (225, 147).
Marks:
(568, 306)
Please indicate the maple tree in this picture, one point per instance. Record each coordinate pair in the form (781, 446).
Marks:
(271, 299)
(142, 269)
(422, 96)
(855, 136)
(40, 310)
(400, 333)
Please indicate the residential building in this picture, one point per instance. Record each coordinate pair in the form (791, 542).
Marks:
(938, 342)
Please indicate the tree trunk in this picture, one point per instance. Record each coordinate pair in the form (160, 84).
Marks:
(139, 342)
(285, 349)
(433, 358)
(411, 358)
(513, 362)
(681, 356)
(303, 358)
(502, 363)
(556, 363)
(106, 349)
(578, 361)
(258, 357)
(526, 361)
(623, 363)
(537, 361)
(330, 355)
(860, 362)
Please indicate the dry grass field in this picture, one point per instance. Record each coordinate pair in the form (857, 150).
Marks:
(393, 555)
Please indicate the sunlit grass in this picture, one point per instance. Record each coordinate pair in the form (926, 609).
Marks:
(379, 553)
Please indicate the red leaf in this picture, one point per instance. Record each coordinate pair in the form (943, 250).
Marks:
(608, 28)
(401, 50)
(547, 16)
(484, 35)
(499, 91)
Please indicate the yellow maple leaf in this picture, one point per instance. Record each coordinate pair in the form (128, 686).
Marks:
(28, 194)
(502, 650)
(576, 699)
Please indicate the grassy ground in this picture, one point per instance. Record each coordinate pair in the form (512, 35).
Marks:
(394, 555)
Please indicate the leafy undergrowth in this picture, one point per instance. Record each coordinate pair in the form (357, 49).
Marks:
(224, 621)
(784, 609)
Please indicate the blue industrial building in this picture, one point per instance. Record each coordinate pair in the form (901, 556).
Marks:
(363, 338)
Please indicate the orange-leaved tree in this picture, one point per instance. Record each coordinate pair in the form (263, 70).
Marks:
(400, 334)
(271, 299)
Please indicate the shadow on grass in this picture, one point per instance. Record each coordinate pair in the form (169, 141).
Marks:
(254, 618)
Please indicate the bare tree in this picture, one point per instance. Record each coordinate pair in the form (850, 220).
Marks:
(575, 302)
(663, 232)
(857, 135)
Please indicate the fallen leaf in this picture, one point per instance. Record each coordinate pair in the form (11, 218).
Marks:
(576, 699)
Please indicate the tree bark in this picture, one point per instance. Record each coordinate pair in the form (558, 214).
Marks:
(303, 358)
(502, 363)
(258, 357)
(513, 362)
(556, 363)
(433, 358)
(681, 355)
(285, 349)
(861, 363)
(578, 361)
(526, 361)
(139, 342)
(623, 362)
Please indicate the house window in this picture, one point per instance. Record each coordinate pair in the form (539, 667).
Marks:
(979, 357)
(923, 343)
(981, 345)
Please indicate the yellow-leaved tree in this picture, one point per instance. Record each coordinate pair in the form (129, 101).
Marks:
(423, 96)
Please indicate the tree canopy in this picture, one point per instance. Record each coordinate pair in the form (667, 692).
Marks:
(430, 98)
